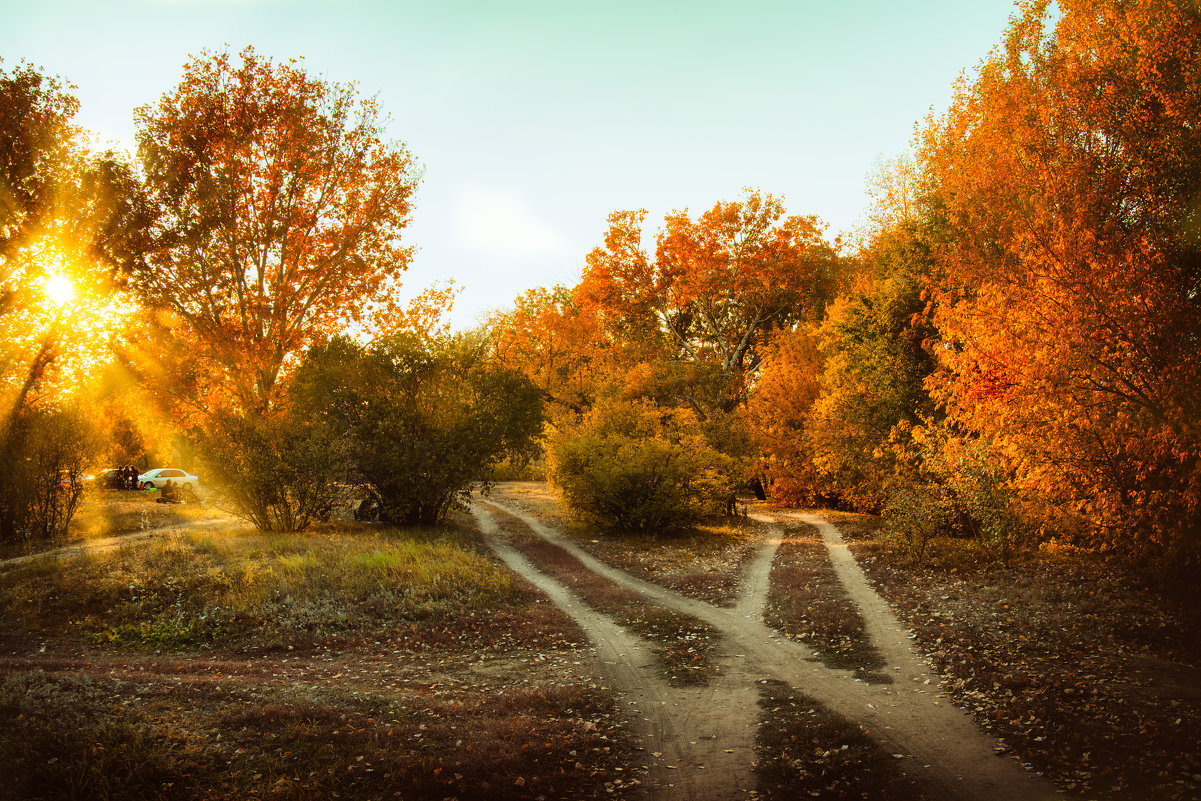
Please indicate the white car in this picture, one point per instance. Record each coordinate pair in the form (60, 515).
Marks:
(159, 476)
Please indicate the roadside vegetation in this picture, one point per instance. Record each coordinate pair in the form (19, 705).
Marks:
(351, 660)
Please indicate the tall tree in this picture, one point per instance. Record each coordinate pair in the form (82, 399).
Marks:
(715, 288)
(279, 207)
(1069, 173)
(35, 139)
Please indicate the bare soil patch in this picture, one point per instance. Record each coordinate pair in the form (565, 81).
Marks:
(804, 749)
(683, 644)
(1078, 669)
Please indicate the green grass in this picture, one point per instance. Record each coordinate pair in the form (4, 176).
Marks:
(186, 590)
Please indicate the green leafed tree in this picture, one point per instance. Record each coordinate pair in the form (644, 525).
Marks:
(424, 417)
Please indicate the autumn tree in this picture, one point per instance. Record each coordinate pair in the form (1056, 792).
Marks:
(874, 343)
(1069, 175)
(715, 288)
(279, 204)
(54, 302)
(558, 345)
(779, 412)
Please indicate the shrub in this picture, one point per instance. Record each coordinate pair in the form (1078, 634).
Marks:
(44, 454)
(281, 471)
(424, 418)
(634, 465)
(956, 486)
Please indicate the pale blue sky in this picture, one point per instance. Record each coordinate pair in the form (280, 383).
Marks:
(534, 120)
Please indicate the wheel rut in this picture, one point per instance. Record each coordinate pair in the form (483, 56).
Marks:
(937, 742)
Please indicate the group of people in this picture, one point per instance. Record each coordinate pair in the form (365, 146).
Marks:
(124, 478)
(171, 493)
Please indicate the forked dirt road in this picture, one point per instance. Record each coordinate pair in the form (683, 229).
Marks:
(700, 741)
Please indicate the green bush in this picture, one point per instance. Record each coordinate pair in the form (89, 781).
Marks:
(956, 486)
(281, 471)
(44, 454)
(634, 465)
(424, 418)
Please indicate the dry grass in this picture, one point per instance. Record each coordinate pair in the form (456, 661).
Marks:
(807, 601)
(1082, 672)
(347, 662)
(192, 589)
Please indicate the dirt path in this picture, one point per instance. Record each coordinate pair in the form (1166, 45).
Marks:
(107, 543)
(937, 741)
(698, 741)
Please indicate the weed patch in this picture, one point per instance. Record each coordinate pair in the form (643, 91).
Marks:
(191, 590)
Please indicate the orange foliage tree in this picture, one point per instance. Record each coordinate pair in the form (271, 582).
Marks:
(555, 343)
(779, 411)
(716, 288)
(279, 206)
(1069, 177)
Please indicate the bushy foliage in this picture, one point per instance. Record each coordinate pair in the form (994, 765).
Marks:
(424, 417)
(634, 465)
(45, 453)
(949, 485)
(1068, 174)
(873, 371)
(281, 471)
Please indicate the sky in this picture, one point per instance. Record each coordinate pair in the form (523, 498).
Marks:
(534, 120)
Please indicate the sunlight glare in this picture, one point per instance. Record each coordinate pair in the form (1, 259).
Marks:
(59, 289)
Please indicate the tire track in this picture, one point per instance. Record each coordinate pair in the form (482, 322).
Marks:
(939, 742)
(699, 741)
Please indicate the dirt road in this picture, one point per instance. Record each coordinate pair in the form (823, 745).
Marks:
(700, 741)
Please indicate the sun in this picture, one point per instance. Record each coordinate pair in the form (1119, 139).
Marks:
(59, 289)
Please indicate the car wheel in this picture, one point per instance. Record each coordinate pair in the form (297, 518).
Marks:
(187, 487)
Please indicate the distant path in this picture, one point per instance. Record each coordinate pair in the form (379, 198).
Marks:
(107, 543)
(939, 742)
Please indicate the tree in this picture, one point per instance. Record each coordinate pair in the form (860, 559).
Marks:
(278, 207)
(778, 412)
(716, 287)
(1069, 175)
(424, 418)
(557, 345)
(874, 342)
(35, 138)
